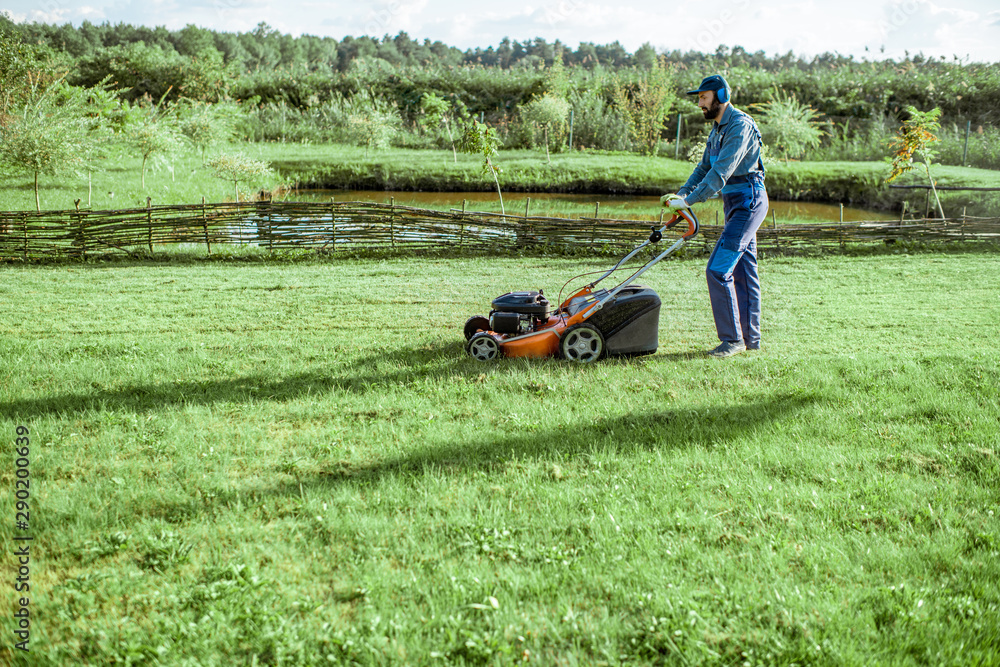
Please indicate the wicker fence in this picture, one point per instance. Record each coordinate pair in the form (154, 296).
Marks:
(339, 226)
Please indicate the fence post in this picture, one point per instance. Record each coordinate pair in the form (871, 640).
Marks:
(774, 226)
(461, 227)
(392, 222)
(149, 222)
(677, 142)
(965, 151)
(24, 225)
(204, 223)
(333, 225)
(80, 238)
(270, 232)
(593, 227)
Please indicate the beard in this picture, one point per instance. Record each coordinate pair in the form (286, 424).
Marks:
(712, 112)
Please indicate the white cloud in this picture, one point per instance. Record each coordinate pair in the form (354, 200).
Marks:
(920, 26)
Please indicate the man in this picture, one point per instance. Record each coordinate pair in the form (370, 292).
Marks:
(731, 163)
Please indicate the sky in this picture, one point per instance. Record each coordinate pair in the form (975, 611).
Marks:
(873, 29)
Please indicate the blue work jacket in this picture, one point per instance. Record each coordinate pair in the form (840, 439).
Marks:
(731, 153)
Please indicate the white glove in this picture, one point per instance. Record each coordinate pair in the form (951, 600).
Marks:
(673, 201)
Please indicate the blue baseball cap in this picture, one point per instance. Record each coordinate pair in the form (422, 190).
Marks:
(716, 83)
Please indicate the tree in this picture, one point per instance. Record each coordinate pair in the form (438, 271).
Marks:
(192, 40)
(647, 103)
(142, 70)
(914, 139)
(100, 108)
(549, 113)
(43, 137)
(789, 125)
(437, 111)
(372, 125)
(26, 70)
(482, 139)
(151, 136)
(556, 79)
(645, 56)
(239, 168)
(206, 124)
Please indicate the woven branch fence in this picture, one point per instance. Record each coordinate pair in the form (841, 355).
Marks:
(339, 226)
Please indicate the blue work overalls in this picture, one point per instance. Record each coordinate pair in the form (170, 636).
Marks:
(733, 283)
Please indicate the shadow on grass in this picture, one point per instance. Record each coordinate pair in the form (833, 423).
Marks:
(680, 428)
(362, 376)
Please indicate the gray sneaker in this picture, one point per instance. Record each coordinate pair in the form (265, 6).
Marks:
(728, 349)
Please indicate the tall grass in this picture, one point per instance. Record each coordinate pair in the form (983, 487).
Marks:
(297, 463)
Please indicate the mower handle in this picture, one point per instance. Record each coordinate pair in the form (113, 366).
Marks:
(655, 237)
(692, 220)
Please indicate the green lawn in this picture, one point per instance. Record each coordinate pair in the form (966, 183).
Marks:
(184, 179)
(297, 463)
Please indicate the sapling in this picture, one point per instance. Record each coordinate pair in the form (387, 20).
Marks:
(482, 139)
(548, 112)
(239, 168)
(43, 137)
(151, 136)
(914, 138)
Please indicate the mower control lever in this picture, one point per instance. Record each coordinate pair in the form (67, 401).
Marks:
(655, 236)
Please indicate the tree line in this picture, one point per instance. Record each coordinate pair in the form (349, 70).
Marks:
(270, 67)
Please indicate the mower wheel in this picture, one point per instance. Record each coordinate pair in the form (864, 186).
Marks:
(483, 347)
(474, 324)
(583, 343)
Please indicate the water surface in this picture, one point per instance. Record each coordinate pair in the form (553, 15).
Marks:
(575, 205)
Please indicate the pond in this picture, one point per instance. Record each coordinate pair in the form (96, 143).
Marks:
(576, 205)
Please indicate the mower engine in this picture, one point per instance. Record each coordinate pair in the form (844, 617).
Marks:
(518, 313)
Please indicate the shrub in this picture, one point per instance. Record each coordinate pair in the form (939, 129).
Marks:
(239, 168)
(548, 115)
(598, 123)
(646, 103)
(788, 125)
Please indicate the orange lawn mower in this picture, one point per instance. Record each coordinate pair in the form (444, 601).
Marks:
(587, 326)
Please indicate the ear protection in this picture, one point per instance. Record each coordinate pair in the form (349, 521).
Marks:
(715, 83)
(723, 94)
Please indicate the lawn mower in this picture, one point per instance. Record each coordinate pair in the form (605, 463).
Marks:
(590, 324)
